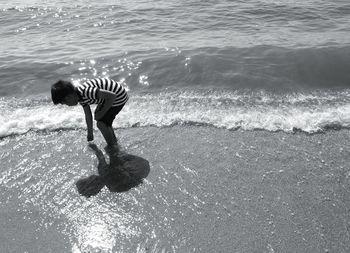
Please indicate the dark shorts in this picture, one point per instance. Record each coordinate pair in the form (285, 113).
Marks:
(110, 114)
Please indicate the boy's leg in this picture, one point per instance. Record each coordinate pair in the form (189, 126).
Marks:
(105, 126)
(108, 133)
(115, 140)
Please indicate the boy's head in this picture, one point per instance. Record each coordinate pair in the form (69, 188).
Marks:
(63, 92)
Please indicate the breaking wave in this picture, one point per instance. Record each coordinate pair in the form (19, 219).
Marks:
(312, 112)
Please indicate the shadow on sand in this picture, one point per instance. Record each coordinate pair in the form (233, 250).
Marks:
(123, 172)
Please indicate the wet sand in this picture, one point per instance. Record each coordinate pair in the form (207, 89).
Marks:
(209, 190)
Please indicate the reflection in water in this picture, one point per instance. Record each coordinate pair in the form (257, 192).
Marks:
(94, 235)
(123, 172)
(98, 226)
(36, 178)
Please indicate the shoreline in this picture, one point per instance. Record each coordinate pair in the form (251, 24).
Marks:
(328, 130)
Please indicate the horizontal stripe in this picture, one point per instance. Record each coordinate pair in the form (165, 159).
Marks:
(88, 91)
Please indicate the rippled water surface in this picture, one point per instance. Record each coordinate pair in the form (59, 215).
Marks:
(241, 108)
(210, 190)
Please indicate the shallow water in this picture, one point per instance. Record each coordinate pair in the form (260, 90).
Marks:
(241, 108)
(208, 190)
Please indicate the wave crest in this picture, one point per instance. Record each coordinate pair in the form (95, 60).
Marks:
(311, 113)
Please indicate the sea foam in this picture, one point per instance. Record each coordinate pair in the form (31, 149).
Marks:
(310, 113)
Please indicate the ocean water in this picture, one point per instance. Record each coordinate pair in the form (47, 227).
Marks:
(272, 65)
(242, 70)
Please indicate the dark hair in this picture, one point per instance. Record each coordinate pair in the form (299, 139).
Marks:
(60, 90)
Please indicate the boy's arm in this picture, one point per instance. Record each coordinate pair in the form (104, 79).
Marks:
(109, 98)
(88, 119)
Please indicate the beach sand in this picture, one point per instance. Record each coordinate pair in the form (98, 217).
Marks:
(208, 190)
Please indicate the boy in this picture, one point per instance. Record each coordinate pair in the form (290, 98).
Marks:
(109, 96)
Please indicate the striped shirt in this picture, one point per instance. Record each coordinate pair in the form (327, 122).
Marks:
(87, 91)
